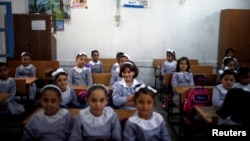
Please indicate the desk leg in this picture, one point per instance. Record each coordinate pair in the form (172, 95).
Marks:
(27, 92)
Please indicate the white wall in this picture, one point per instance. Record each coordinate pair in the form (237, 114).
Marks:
(190, 27)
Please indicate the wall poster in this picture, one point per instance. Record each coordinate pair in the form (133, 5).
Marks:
(59, 8)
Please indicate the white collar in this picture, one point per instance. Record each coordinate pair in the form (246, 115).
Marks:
(5, 81)
(173, 63)
(79, 70)
(123, 83)
(117, 69)
(152, 123)
(96, 121)
(222, 89)
(182, 72)
(94, 63)
(51, 119)
(244, 87)
(66, 94)
(28, 67)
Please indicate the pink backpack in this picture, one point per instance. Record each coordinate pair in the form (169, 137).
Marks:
(81, 96)
(198, 96)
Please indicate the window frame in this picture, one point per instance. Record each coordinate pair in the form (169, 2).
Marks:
(8, 30)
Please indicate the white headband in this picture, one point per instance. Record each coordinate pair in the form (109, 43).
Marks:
(129, 63)
(101, 85)
(50, 86)
(124, 55)
(59, 70)
(127, 56)
(144, 86)
(25, 53)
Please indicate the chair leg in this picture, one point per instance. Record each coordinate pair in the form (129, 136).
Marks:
(161, 90)
(155, 82)
(169, 109)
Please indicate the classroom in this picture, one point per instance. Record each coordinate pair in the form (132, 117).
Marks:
(193, 28)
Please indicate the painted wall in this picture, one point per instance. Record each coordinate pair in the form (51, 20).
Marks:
(191, 27)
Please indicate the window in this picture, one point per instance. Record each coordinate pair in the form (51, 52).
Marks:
(6, 30)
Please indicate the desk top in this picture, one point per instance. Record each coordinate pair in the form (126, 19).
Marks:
(4, 96)
(208, 114)
(29, 80)
(122, 114)
(79, 87)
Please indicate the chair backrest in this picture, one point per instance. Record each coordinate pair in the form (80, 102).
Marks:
(158, 62)
(106, 60)
(167, 79)
(107, 68)
(206, 69)
(20, 86)
(101, 78)
(41, 67)
(212, 78)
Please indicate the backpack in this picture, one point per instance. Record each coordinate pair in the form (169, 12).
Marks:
(81, 96)
(200, 80)
(198, 96)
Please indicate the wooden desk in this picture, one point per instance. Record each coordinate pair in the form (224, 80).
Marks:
(30, 80)
(208, 114)
(23, 85)
(77, 89)
(183, 90)
(122, 114)
(4, 96)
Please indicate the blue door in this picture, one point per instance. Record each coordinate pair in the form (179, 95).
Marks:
(6, 30)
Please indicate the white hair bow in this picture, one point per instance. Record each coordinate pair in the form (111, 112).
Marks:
(59, 70)
(226, 68)
(171, 50)
(127, 56)
(144, 86)
(81, 53)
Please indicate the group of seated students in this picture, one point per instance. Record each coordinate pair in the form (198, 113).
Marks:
(230, 76)
(97, 121)
(127, 93)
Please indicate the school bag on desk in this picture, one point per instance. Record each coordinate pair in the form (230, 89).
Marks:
(201, 80)
(82, 98)
(198, 96)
